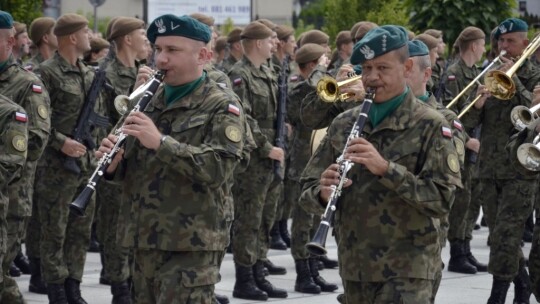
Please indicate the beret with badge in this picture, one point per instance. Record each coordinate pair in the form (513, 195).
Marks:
(309, 52)
(19, 28)
(185, 26)
(417, 48)
(315, 36)
(284, 31)
(511, 25)
(123, 26)
(69, 23)
(255, 31)
(40, 27)
(379, 41)
(6, 21)
(234, 35)
(430, 41)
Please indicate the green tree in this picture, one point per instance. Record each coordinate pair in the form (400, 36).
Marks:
(227, 27)
(391, 12)
(23, 10)
(452, 16)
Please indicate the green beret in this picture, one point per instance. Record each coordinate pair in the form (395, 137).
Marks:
(379, 41)
(284, 31)
(315, 36)
(69, 23)
(208, 20)
(123, 26)
(19, 28)
(40, 27)
(6, 21)
(185, 26)
(343, 37)
(430, 41)
(309, 52)
(234, 35)
(221, 44)
(511, 25)
(470, 33)
(417, 48)
(256, 30)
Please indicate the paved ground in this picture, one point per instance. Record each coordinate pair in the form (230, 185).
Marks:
(455, 288)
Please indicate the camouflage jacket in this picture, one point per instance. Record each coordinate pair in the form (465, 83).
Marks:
(228, 63)
(257, 90)
(32, 65)
(458, 76)
(388, 226)
(120, 80)
(497, 127)
(176, 198)
(13, 146)
(67, 86)
(217, 75)
(27, 90)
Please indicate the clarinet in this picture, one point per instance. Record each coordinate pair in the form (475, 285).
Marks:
(78, 207)
(317, 244)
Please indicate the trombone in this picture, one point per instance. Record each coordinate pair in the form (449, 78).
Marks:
(499, 83)
(328, 88)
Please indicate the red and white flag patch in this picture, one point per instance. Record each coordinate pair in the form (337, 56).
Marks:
(37, 88)
(458, 125)
(237, 81)
(21, 117)
(446, 132)
(451, 77)
(234, 109)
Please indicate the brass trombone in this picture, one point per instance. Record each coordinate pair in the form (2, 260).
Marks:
(328, 88)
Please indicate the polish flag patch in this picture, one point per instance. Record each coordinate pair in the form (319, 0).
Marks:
(21, 117)
(237, 81)
(37, 88)
(452, 77)
(446, 132)
(234, 109)
(458, 125)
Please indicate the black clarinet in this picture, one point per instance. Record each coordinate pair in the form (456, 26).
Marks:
(78, 207)
(318, 243)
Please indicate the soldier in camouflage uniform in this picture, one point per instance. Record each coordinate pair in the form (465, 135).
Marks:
(235, 49)
(176, 171)
(28, 91)
(21, 47)
(396, 181)
(41, 34)
(440, 63)
(433, 46)
(508, 195)
(64, 237)
(344, 46)
(254, 83)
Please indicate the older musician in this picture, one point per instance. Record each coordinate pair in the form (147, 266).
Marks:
(387, 218)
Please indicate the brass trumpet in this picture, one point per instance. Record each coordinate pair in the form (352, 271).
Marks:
(328, 88)
(528, 155)
(521, 116)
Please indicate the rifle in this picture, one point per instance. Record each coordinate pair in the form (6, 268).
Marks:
(476, 132)
(281, 128)
(88, 120)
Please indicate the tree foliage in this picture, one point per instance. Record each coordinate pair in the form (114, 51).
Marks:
(23, 10)
(452, 16)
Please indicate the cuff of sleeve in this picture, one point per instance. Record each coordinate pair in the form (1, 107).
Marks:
(311, 201)
(394, 176)
(265, 150)
(58, 141)
(169, 148)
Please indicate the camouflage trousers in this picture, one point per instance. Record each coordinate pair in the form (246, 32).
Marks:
(168, 277)
(474, 207)
(534, 255)
(436, 284)
(15, 232)
(33, 233)
(270, 209)
(508, 205)
(3, 240)
(250, 192)
(64, 236)
(115, 257)
(457, 219)
(302, 227)
(394, 291)
(285, 206)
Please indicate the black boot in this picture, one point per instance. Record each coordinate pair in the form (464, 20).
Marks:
(341, 298)
(221, 299)
(275, 238)
(73, 291)
(121, 293)
(522, 287)
(245, 287)
(325, 286)
(37, 285)
(21, 261)
(274, 269)
(458, 260)
(498, 291)
(527, 232)
(304, 282)
(14, 271)
(264, 285)
(284, 231)
(56, 294)
(480, 267)
(328, 263)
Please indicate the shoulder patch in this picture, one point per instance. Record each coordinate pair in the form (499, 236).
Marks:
(446, 132)
(19, 143)
(233, 134)
(237, 81)
(29, 67)
(233, 109)
(451, 77)
(36, 88)
(20, 116)
(453, 163)
(294, 78)
(458, 125)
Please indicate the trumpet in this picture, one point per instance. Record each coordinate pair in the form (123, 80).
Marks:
(78, 207)
(521, 116)
(328, 88)
(528, 155)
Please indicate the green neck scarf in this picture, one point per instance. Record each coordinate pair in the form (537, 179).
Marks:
(424, 97)
(380, 111)
(3, 65)
(174, 93)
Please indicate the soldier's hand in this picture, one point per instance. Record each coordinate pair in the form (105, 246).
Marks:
(362, 152)
(277, 154)
(355, 89)
(73, 148)
(143, 75)
(484, 92)
(107, 144)
(323, 61)
(344, 72)
(330, 177)
(536, 95)
(507, 63)
(140, 126)
(473, 144)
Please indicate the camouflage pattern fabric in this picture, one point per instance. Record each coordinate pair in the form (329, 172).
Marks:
(394, 291)
(218, 76)
(228, 63)
(393, 233)
(458, 76)
(32, 65)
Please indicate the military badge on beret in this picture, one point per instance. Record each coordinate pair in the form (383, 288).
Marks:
(453, 163)
(19, 143)
(233, 134)
(368, 53)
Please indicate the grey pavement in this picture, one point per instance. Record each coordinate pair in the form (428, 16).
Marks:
(455, 288)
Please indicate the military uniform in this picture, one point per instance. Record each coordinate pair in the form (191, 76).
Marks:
(228, 63)
(33, 63)
(28, 91)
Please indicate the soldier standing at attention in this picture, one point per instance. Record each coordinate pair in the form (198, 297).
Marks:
(64, 238)
(344, 47)
(236, 51)
(387, 217)
(176, 170)
(256, 86)
(507, 194)
(28, 91)
(22, 42)
(41, 34)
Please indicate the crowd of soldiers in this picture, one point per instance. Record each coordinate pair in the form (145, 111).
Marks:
(206, 169)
